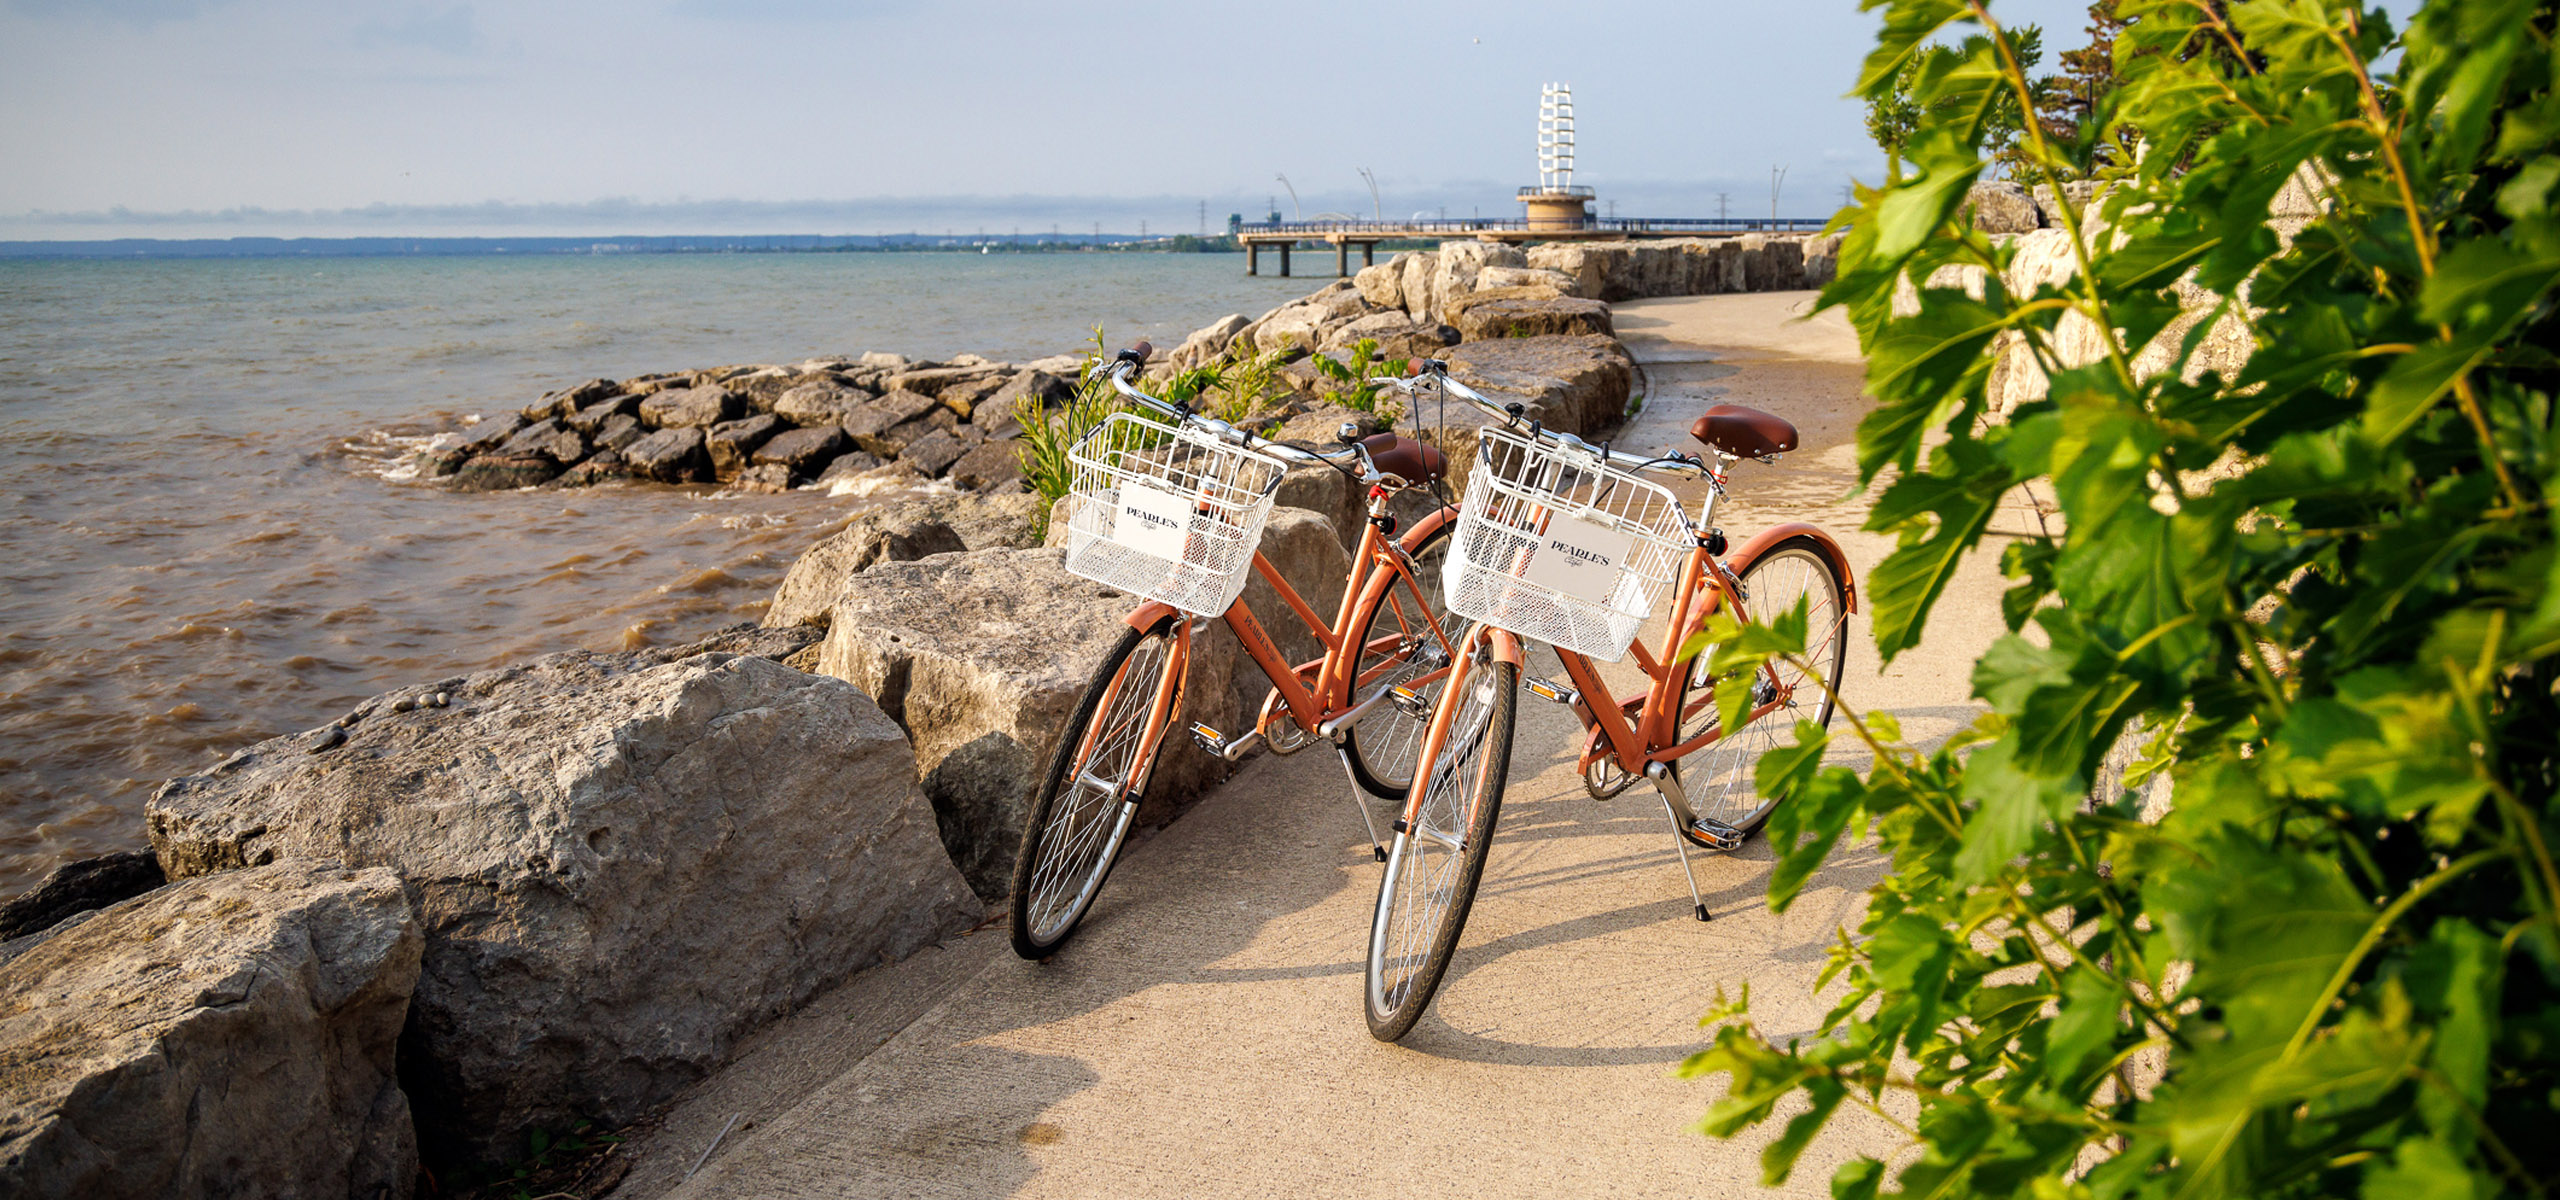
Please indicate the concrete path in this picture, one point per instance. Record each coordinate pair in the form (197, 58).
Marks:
(1202, 1035)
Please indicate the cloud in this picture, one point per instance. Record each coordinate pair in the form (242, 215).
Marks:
(138, 12)
(795, 11)
(449, 31)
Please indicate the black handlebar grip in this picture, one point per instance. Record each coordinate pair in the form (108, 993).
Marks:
(1136, 354)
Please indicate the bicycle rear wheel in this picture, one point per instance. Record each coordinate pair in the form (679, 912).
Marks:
(1718, 775)
(1384, 740)
(1096, 778)
(1440, 848)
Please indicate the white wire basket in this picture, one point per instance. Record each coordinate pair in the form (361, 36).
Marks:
(1559, 548)
(1167, 513)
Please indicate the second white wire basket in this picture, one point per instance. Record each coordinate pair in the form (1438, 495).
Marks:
(1557, 547)
(1167, 513)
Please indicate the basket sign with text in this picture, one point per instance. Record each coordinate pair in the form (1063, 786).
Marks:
(1579, 559)
(1151, 520)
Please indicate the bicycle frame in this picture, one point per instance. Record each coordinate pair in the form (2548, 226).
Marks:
(1704, 585)
(1326, 705)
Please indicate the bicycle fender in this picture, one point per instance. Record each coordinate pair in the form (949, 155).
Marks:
(1423, 528)
(1506, 647)
(1145, 616)
(1761, 541)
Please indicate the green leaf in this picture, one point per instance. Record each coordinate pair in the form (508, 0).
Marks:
(1779, 1159)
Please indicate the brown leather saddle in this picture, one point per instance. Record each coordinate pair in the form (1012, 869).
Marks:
(1405, 458)
(1744, 432)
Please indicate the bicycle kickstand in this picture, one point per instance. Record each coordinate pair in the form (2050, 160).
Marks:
(1360, 800)
(1664, 783)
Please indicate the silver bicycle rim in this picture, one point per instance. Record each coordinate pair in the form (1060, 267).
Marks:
(1426, 865)
(1718, 777)
(1091, 816)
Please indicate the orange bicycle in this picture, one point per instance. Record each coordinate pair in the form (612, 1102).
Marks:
(1172, 511)
(1570, 544)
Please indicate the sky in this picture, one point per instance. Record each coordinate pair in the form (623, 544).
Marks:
(211, 118)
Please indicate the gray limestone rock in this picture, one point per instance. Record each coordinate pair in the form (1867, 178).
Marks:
(502, 472)
(591, 418)
(988, 465)
(821, 403)
(1047, 389)
(869, 426)
(224, 1036)
(691, 408)
(801, 451)
(77, 887)
(668, 456)
(2002, 206)
(1576, 383)
(620, 866)
(731, 442)
(1518, 312)
(981, 656)
(933, 453)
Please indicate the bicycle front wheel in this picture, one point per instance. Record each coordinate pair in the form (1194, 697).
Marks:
(1091, 793)
(1718, 775)
(1440, 846)
(1401, 643)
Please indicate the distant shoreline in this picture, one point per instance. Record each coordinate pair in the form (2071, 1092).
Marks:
(469, 247)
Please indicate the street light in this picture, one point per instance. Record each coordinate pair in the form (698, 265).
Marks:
(1295, 214)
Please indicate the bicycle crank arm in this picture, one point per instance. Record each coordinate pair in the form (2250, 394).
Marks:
(1227, 748)
(1333, 730)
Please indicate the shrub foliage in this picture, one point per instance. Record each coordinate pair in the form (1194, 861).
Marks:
(2320, 591)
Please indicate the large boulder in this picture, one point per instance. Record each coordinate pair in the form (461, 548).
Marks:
(1460, 263)
(963, 396)
(78, 887)
(731, 442)
(569, 400)
(1414, 272)
(1550, 281)
(895, 533)
(502, 472)
(1519, 312)
(2001, 206)
(691, 408)
(621, 866)
(874, 426)
(819, 403)
(1040, 387)
(1576, 383)
(589, 419)
(668, 456)
(1397, 336)
(1209, 341)
(930, 381)
(226, 1036)
(801, 451)
(483, 438)
(1382, 284)
(936, 451)
(989, 466)
(982, 656)
(1302, 325)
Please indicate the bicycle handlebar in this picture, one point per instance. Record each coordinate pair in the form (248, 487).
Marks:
(1126, 363)
(1434, 372)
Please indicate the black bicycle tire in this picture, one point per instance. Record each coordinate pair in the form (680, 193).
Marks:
(1839, 650)
(1036, 822)
(1362, 773)
(1399, 1019)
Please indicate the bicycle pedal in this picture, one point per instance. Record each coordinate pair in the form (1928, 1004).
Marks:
(1213, 742)
(1713, 834)
(1548, 690)
(1410, 702)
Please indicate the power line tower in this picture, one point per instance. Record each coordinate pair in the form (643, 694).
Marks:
(1777, 177)
(1722, 203)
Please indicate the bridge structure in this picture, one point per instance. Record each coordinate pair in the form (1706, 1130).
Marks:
(1283, 236)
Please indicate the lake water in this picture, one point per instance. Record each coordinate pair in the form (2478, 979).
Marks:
(199, 546)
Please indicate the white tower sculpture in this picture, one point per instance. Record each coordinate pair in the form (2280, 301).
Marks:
(1555, 138)
(1556, 205)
